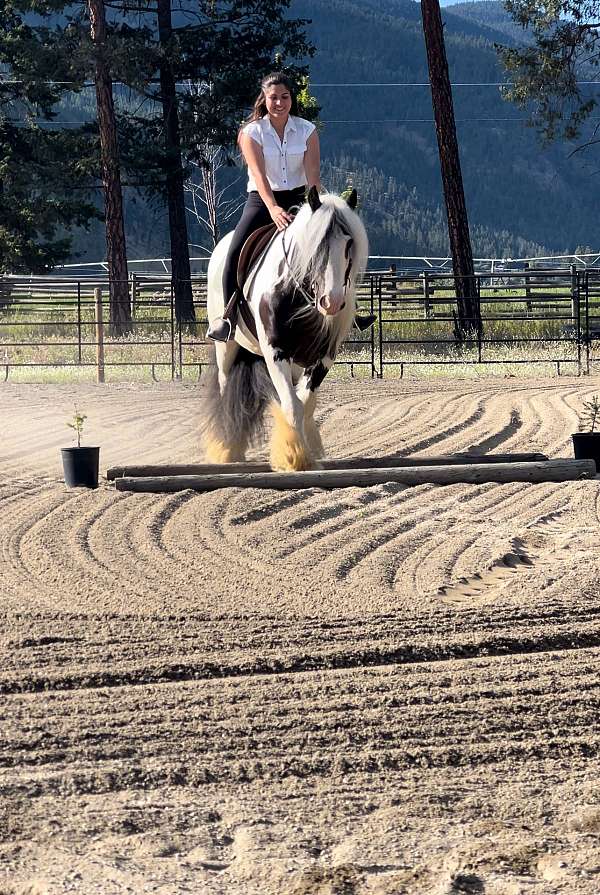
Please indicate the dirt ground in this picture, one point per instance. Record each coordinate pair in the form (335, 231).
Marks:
(368, 691)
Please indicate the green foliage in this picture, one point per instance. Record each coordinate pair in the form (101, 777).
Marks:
(76, 423)
(522, 200)
(589, 417)
(308, 107)
(223, 48)
(40, 169)
(517, 192)
(37, 202)
(564, 47)
(221, 53)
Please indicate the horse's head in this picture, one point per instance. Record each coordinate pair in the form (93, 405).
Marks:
(331, 282)
(331, 250)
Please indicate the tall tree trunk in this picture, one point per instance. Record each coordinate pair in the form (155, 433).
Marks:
(180, 255)
(116, 251)
(469, 319)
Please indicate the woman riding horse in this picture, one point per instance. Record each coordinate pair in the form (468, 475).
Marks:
(297, 309)
(283, 158)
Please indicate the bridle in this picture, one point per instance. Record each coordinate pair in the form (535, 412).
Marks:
(310, 296)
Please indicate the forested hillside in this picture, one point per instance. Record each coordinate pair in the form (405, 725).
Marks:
(522, 198)
(515, 189)
(489, 14)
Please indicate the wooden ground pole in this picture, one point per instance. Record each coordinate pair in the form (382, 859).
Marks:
(116, 472)
(478, 473)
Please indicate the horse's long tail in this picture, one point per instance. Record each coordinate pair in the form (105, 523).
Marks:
(233, 419)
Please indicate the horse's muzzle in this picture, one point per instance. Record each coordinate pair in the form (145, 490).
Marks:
(329, 307)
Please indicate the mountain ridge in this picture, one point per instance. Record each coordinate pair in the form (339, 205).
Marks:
(521, 197)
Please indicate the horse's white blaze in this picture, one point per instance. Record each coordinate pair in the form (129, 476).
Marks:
(331, 294)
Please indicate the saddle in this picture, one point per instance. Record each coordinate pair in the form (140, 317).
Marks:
(252, 250)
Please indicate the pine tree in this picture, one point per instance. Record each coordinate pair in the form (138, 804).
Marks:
(42, 170)
(222, 48)
(563, 48)
(468, 319)
(116, 249)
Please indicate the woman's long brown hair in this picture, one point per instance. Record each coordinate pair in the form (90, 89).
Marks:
(259, 110)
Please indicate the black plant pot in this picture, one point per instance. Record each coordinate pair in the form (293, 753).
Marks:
(80, 465)
(586, 446)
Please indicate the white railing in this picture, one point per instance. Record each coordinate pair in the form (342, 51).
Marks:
(493, 266)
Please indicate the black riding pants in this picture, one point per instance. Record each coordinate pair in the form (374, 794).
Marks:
(254, 215)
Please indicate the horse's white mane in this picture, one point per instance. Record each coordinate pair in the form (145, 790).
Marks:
(308, 236)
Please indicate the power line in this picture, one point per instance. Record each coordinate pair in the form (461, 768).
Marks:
(427, 84)
(418, 120)
(326, 122)
(317, 84)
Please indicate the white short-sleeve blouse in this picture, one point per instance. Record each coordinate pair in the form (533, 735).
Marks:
(284, 159)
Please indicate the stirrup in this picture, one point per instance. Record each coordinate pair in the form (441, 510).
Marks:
(220, 330)
(364, 321)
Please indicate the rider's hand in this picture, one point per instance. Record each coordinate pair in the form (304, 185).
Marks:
(280, 217)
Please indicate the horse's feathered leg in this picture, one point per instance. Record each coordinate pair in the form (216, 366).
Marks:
(221, 447)
(225, 355)
(307, 390)
(311, 430)
(289, 448)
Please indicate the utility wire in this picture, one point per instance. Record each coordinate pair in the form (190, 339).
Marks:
(326, 122)
(317, 84)
(427, 84)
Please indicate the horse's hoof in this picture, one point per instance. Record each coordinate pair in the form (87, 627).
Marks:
(289, 450)
(291, 464)
(218, 452)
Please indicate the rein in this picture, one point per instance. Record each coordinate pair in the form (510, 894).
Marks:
(310, 296)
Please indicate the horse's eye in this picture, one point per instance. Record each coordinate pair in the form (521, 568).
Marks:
(348, 247)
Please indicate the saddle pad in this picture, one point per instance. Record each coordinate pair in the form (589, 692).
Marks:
(252, 249)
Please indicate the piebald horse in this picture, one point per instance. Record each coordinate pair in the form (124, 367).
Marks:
(301, 298)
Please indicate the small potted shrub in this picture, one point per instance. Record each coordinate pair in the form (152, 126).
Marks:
(80, 464)
(586, 442)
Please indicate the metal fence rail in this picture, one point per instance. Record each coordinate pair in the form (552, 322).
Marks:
(534, 317)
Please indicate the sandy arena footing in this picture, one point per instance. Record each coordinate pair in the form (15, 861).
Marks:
(377, 690)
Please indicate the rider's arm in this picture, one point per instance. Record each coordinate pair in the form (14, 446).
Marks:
(255, 160)
(312, 161)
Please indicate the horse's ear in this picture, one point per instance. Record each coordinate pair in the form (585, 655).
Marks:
(313, 198)
(352, 200)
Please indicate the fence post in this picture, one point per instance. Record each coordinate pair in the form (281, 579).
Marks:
(99, 335)
(576, 313)
(133, 291)
(527, 286)
(574, 294)
(372, 328)
(586, 280)
(426, 294)
(479, 321)
(380, 316)
(79, 336)
(173, 376)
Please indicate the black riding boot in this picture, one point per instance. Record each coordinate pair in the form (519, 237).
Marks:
(222, 329)
(364, 321)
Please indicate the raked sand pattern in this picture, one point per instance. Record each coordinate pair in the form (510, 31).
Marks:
(385, 690)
